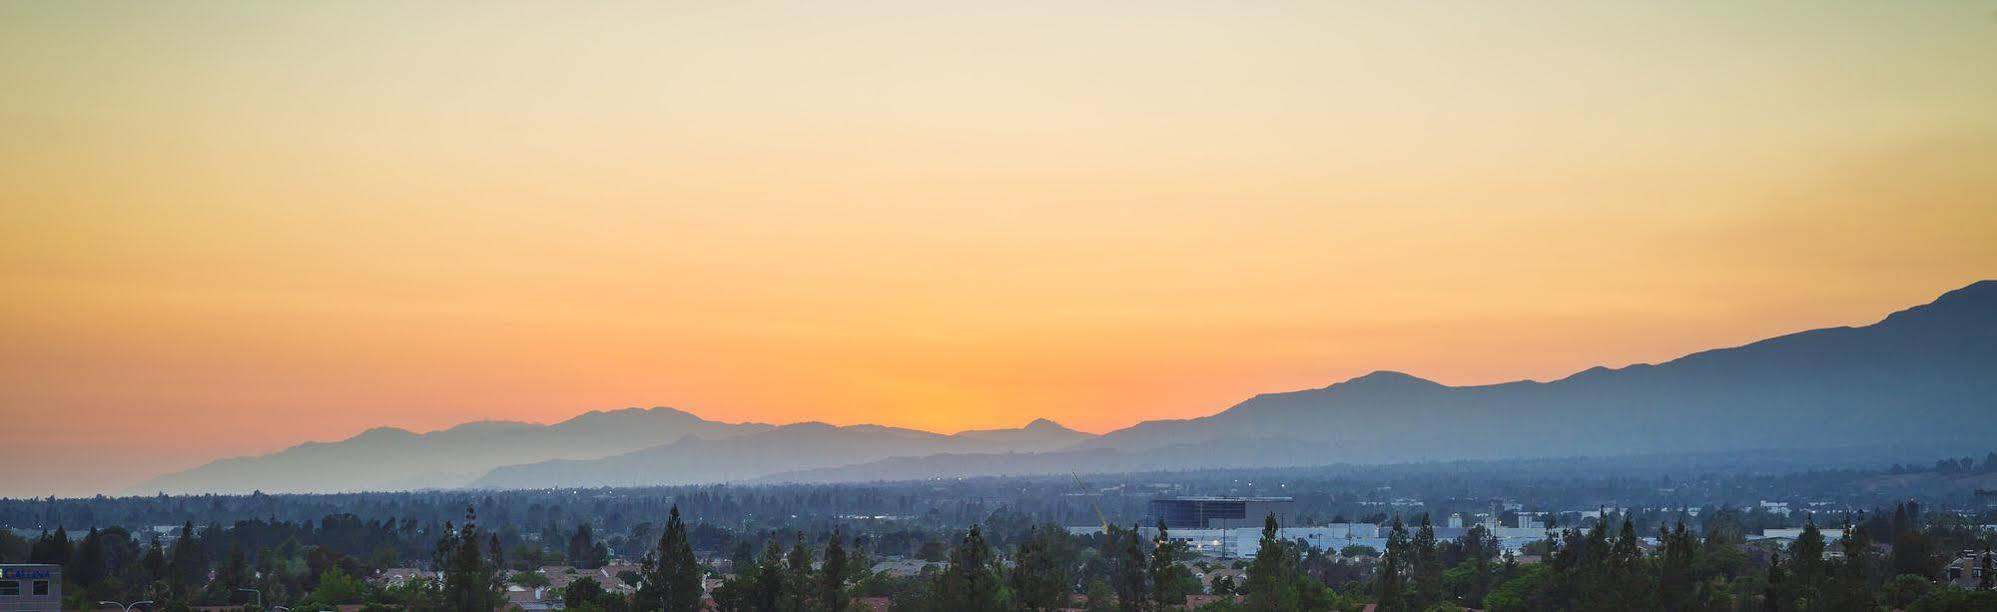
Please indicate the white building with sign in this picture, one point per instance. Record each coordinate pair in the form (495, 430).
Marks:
(30, 587)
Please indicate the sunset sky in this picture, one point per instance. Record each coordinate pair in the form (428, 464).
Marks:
(230, 227)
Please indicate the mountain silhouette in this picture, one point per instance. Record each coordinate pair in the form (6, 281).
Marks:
(1923, 377)
(387, 458)
(1037, 436)
(791, 447)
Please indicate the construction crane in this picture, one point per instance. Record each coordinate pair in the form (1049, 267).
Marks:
(1092, 501)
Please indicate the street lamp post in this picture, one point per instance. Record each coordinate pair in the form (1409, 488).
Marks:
(259, 595)
(126, 607)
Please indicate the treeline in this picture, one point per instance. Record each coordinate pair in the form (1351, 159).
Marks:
(1008, 563)
(1601, 568)
(215, 565)
(611, 511)
(1322, 494)
(1951, 467)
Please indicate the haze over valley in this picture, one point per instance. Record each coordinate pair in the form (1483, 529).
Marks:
(1921, 378)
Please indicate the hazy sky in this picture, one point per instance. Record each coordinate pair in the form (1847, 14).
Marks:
(232, 227)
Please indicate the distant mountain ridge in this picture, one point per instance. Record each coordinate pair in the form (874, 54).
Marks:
(388, 458)
(800, 446)
(576, 452)
(1037, 436)
(1925, 372)
(1925, 376)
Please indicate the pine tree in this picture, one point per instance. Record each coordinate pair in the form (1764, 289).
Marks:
(234, 573)
(88, 565)
(970, 582)
(583, 550)
(743, 560)
(1390, 587)
(495, 556)
(1626, 579)
(1426, 565)
(737, 592)
(1773, 595)
(52, 548)
(1038, 582)
(1271, 584)
(671, 575)
(1855, 576)
(1043, 579)
(1902, 522)
(769, 591)
(1913, 554)
(832, 576)
(470, 582)
(1125, 578)
(1592, 587)
(1807, 561)
(552, 534)
(154, 565)
(189, 566)
(1166, 587)
(1674, 580)
(1133, 588)
(1479, 547)
(798, 583)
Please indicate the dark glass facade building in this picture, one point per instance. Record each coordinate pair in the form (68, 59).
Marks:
(1219, 512)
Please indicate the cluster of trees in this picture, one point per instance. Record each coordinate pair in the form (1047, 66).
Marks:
(585, 552)
(1598, 568)
(1611, 569)
(1950, 467)
(1118, 570)
(1044, 568)
(789, 581)
(1007, 563)
(307, 565)
(110, 565)
(671, 578)
(615, 514)
(1417, 572)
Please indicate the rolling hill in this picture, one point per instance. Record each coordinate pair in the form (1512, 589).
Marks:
(387, 458)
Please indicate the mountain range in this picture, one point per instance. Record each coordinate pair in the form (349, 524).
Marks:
(693, 459)
(1922, 377)
(388, 458)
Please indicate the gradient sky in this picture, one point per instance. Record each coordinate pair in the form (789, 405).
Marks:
(231, 227)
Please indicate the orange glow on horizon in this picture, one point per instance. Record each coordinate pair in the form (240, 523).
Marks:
(233, 228)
